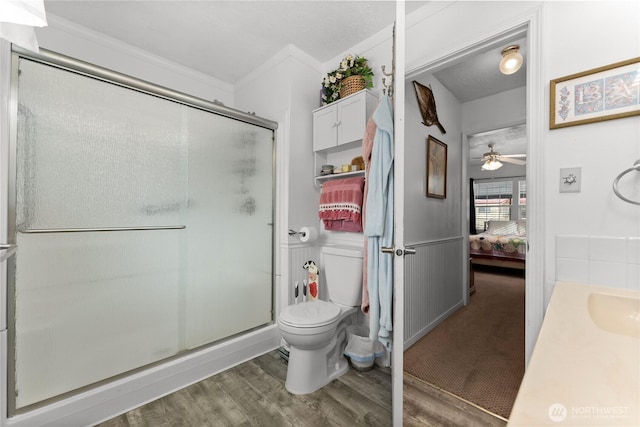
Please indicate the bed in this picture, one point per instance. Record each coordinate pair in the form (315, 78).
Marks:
(503, 244)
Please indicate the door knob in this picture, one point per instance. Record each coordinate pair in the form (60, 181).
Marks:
(398, 252)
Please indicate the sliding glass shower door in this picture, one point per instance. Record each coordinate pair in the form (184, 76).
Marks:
(144, 228)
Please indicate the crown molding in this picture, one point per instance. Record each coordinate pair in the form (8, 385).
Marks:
(383, 36)
(95, 37)
(289, 51)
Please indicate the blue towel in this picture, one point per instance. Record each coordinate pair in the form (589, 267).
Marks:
(379, 224)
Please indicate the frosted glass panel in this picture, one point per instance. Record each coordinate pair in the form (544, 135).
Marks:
(92, 305)
(93, 154)
(229, 279)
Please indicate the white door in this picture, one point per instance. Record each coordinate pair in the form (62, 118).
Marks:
(398, 231)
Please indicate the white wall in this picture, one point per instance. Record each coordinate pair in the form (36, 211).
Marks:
(289, 84)
(434, 278)
(591, 33)
(504, 109)
(603, 149)
(78, 42)
(558, 45)
(427, 218)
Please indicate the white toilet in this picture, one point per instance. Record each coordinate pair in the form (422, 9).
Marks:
(316, 330)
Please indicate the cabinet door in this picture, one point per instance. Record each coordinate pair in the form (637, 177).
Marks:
(325, 132)
(352, 117)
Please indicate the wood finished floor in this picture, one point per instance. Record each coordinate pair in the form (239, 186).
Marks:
(253, 394)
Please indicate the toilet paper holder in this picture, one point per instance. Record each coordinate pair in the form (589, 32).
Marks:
(294, 232)
(305, 235)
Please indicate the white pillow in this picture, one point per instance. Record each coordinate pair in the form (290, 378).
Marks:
(502, 228)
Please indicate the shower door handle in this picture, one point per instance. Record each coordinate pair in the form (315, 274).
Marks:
(6, 250)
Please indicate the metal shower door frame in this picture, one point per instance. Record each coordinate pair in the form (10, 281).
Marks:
(9, 60)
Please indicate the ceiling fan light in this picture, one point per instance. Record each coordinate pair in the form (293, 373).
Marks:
(511, 60)
(491, 165)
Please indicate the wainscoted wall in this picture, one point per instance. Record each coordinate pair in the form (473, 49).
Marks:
(433, 286)
(598, 260)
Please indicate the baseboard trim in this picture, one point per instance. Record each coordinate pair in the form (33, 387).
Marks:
(428, 328)
(110, 400)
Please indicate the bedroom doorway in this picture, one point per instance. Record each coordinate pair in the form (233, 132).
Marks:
(497, 197)
(460, 364)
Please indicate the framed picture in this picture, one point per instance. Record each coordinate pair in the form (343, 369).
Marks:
(436, 168)
(605, 93)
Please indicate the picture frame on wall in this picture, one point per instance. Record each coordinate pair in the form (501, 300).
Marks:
(436, 168)
(604, 93)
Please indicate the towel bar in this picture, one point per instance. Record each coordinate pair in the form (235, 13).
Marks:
(635, 167)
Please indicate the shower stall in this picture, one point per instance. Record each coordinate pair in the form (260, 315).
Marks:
(143, 221)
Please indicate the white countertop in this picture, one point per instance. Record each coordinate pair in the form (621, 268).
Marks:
(579, 373)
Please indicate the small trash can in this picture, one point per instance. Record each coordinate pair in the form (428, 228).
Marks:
(360, 349)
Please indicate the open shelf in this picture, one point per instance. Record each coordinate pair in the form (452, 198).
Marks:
(323, 178)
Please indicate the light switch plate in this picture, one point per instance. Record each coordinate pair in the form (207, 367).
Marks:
(570, 180)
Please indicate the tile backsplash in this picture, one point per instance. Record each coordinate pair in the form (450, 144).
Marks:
(598, 260)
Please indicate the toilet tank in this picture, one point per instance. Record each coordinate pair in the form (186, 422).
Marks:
(343, 273)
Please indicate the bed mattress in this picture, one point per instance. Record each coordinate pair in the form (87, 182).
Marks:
(504, 246)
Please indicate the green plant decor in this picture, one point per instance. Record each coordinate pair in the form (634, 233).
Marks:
(351, 65)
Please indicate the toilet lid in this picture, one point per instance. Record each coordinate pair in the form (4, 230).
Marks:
(310, 314)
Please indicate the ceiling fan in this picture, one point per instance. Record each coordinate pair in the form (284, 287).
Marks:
(492, 160)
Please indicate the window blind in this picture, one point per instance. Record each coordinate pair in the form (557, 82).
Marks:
(493, 202)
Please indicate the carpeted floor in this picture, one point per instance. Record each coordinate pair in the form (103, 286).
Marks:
(478, 352)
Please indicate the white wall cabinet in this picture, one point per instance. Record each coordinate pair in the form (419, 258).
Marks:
(343, 121)
(338, 129)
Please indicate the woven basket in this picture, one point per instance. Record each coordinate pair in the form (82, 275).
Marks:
(351, 84)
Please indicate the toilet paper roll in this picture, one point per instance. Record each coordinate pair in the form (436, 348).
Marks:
(308, 234)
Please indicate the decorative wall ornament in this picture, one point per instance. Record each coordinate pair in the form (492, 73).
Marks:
(436, 168)
(427, 104)
(604, 93)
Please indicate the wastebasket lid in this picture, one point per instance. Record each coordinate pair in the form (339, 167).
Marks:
(310, 314)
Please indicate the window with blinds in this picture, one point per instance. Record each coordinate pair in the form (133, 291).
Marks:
(494, 201)
(522, 199)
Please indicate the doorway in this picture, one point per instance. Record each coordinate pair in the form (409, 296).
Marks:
(445, 68)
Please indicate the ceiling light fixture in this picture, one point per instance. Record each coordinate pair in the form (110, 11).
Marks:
(511, 59)
(491, 165)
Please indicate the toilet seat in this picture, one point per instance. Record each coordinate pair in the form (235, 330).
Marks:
(310, 314)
